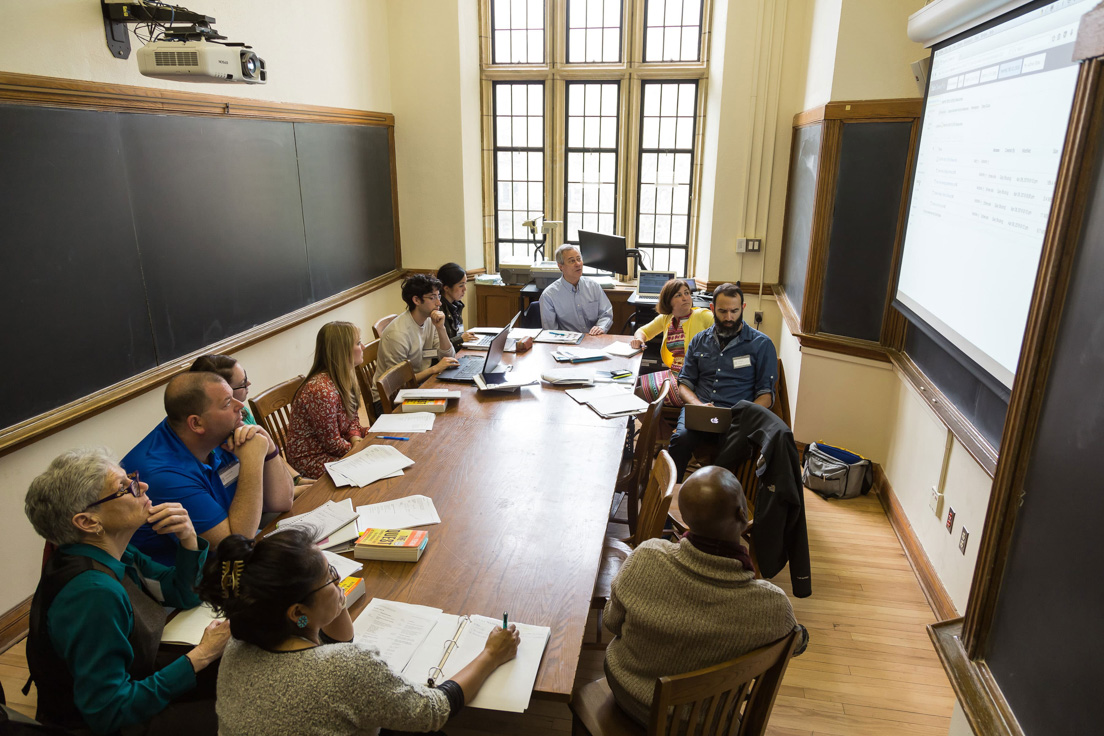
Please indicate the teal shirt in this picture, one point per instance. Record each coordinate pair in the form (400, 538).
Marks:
(247, 416)
(89, 624)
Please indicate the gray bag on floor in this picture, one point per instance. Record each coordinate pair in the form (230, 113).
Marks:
(836, 473)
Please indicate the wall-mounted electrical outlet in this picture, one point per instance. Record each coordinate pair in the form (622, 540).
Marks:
(758, 317)
(950, 519)
(962, 539)
(754, 245)
(935, 500)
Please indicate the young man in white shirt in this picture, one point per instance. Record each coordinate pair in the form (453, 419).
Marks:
(418, 335)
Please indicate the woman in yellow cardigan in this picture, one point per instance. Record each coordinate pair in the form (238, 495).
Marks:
(679, 320)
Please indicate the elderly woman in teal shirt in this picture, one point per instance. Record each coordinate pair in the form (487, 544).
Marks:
(97, 615)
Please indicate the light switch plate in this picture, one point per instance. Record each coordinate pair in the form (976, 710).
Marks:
(950, 520)
(962, 539)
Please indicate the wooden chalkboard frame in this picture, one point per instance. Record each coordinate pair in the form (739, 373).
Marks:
(33, 90)
(962, 643)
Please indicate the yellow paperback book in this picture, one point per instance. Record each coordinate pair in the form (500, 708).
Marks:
(432, 405)
(402, 545)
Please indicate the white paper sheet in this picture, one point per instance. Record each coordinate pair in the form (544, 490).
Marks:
(621, 405)
(419, 421)
(588, 394)
(370, 464)
(344, 566)
(396, 629)
(402, 513)
(323, 521)
(559, 337)
(622, 349)
(425, 393)
(577, 376)
(187, 627)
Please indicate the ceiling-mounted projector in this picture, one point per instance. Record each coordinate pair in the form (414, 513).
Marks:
(201, 61)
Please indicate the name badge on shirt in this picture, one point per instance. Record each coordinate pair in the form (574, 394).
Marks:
(429, 353)
(742, 361)
(229, 474)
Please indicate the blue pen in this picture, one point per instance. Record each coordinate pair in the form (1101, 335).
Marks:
(400, 439)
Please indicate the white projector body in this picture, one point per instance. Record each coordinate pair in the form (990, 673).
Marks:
(201, 61)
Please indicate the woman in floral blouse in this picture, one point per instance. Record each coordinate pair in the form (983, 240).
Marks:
(679, 321)
(324, 421)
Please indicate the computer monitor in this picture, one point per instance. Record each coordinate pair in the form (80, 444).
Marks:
(604, 252)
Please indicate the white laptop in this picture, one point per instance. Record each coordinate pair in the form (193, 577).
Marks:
(650, 284)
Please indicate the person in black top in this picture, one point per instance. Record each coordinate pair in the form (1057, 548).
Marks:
(454, 284)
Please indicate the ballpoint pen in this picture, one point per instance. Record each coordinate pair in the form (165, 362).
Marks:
(400, 439)
(504, 619)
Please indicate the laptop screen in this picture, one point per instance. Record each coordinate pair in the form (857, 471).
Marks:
(651, 282)
(494, 352)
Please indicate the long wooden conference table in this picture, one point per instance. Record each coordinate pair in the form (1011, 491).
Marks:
(523, 483)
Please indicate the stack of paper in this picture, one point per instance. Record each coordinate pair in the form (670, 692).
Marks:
(624, 404)
(559, 336)
(586, 395)
(568, 376)
(578, 355)
(321, 522)
(344, 566)
(416, 639)
(415, 394)
(622, 349)
(369, 465)
(402, 513)
(414, 423)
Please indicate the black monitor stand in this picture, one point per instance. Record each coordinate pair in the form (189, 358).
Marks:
(638, 260)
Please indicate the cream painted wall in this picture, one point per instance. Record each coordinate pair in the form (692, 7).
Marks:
(350, 68)
(435, 93)
(823, 40)
(121, 427)
(339, 58)
(959, 725)
(789, 350)
(873, 52)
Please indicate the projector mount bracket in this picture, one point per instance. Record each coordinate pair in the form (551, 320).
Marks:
(117, 15)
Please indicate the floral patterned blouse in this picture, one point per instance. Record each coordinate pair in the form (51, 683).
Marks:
(320, 430)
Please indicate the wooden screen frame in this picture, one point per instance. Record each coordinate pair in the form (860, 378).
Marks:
(961, 643)
(31, 90)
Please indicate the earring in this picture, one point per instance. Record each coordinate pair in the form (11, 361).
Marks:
(301, 622)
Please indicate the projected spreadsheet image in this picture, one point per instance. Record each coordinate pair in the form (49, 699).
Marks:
(994, 124)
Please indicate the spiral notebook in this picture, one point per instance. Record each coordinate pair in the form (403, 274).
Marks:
(423, 643)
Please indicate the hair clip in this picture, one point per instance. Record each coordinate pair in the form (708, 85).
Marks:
(231, 577)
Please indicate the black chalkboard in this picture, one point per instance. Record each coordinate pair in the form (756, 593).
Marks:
(132, 239)
(1045, 642)
(800, 201)
(872, 165)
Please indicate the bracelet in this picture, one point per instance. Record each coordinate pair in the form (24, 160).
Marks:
(296, 479)
(272, 454)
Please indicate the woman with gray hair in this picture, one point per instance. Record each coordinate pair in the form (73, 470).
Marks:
(97, 617)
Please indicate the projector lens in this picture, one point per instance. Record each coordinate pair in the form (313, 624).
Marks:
(249, 64)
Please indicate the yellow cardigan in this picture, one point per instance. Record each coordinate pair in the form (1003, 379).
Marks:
(699, 319)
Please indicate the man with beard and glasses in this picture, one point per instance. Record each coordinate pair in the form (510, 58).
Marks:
(725, 364)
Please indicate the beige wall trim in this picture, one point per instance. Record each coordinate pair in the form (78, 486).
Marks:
(978, 447)
(981, 699)
(49, 422)
(27, 89)
(14, 625)
(938, 598)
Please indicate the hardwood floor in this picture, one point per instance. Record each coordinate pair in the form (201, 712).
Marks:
(869, 669)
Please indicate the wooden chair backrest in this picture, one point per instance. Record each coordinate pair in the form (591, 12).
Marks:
(644, 455)
(387, 385)
(781, 405)
(366, 377)
(381, 325)
(734, 698)
(656, 501)
(272, 410)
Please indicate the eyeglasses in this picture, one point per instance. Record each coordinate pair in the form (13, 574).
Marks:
(334, 580)
(132, 488)
(432, 297)
(244, 384)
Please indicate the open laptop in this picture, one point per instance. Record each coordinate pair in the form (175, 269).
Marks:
(715, 419)
(650, 284)
(489, 366)
(482, 342)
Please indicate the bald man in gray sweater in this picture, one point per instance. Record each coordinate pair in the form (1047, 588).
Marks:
(676, 608)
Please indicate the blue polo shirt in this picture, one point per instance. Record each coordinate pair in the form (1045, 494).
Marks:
(173, 474)
(743, 371)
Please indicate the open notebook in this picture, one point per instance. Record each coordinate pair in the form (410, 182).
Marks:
(416, 640)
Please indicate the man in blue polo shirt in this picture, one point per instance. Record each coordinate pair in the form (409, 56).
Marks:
(725, 364)
(202, 456)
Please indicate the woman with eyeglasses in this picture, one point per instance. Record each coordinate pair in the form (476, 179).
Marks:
(324, 413)
(97, 616)
(232, 371)
(293, 665)
(454, 285)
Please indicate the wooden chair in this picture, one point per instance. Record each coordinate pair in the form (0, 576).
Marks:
(272, 410)
(381, 325)
(387, 385)
(366, 377)
(654, 505)
(732, 698)
(630, 484)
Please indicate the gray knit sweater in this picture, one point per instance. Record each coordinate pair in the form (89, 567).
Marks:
(675, 609)
(341, 688)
